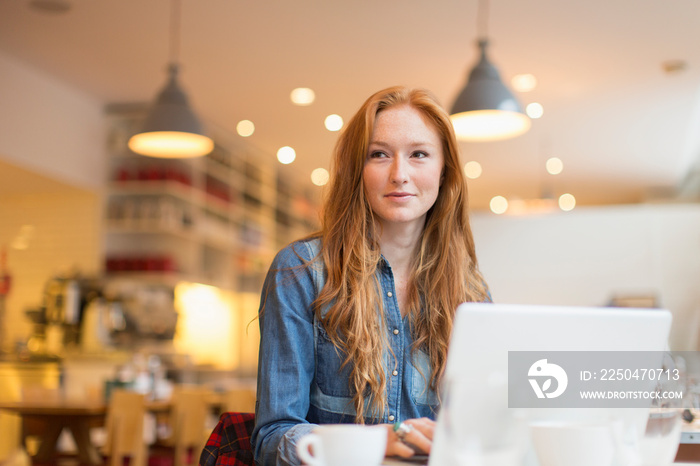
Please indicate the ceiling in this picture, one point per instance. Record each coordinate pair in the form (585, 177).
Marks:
(625, 128)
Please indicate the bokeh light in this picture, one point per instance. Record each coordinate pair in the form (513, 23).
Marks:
(567, 202)
(286, 155)
(472, 170)
(524, 82)
(302, 96)
(554, 166)
(498, 204)
(334, 122)
(534, 110)
(320, 176)
(245, 128)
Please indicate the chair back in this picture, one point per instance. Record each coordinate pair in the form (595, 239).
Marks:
(188, 421)
(124, 426)
(239, 400)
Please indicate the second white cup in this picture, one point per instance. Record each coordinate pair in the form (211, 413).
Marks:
(573, 444)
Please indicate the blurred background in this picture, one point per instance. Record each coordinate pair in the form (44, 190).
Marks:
(110, 258)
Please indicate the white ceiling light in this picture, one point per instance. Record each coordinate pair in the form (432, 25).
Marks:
(333, 122)
(567, 202)
(523, 82)
(498, 204)
(472, 170)
(554, 165)
(302, 96)
(245, 128)
(534, 110)
(320, 177)
(286, 155)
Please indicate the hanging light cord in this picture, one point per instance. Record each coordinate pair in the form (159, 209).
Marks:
(175, 31)
(482, 19)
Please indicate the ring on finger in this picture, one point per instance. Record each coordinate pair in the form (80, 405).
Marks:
(402, 430)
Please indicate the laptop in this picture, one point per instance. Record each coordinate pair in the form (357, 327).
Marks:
(475, 397)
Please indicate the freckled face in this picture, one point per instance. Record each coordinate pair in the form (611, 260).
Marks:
(404, 165)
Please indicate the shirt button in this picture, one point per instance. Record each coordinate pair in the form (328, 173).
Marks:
(391, 417)
(396, 331)
(395, 373)
(390, 294)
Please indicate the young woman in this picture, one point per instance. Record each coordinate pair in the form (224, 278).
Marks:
(355, 320)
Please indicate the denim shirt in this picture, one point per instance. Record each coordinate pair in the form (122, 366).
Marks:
(300, 380)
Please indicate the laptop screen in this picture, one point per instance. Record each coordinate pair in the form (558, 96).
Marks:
(475, 413)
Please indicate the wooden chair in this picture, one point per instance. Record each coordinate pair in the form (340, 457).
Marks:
(187, 420)
(124, 426)
(239, 400)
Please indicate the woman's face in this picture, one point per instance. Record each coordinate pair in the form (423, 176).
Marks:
(403, 168)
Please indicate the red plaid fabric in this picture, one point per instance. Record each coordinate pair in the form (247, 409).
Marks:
(229, 442)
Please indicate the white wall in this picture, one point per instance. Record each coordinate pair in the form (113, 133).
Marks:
(589, 255)
(49, 127)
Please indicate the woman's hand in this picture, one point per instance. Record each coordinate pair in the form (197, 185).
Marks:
(418, 440)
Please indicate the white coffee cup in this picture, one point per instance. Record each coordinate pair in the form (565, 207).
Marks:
(573, 444)
(343, 445)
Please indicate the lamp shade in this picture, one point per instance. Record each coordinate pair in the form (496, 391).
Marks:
(171, 129)
(486, 110)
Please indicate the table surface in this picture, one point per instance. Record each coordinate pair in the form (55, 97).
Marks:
(89, 408)
(53, 407)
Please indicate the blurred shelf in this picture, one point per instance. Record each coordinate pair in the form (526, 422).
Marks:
(216, 220)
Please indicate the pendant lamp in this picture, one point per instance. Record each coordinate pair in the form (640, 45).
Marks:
(171, 129)
(486, 110)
